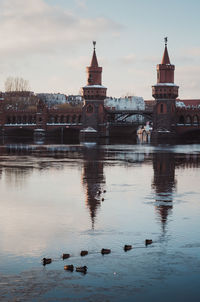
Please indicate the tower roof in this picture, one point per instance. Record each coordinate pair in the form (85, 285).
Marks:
(94, 62)
(165, 59)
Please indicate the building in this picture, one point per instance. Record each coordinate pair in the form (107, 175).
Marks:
(51, 99)
(165, 92)
(74, 100)
(94, 94)
(127, 103)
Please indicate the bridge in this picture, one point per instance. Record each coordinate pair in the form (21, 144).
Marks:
(54, 121)
(188, 120)
(50, 121)
(170, 116)
(123, 114)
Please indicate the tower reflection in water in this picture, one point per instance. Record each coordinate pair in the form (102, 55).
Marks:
(164, 184)
(93, 179)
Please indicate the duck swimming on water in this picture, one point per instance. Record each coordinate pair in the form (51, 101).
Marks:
(105, 251)
(84, 253)
(65, 256)
(148, 241)
(69, 267)
(127, 247)
(46, 261)
(82, 269)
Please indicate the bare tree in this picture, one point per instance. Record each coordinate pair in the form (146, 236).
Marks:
(16, 84)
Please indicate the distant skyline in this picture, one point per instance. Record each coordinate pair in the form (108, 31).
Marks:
(49, 43)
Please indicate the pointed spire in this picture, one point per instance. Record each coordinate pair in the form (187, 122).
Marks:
(165, 59)
(94, 62)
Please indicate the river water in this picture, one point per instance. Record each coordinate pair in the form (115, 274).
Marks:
(50, 204)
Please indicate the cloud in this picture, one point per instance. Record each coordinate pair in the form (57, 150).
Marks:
(32, 27)
(129, 59)
(81, 3)
(194, 52)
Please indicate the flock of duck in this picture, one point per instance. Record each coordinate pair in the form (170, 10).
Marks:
(83, 269)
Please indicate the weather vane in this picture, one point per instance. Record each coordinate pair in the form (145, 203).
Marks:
(166, 39)
(94, 43)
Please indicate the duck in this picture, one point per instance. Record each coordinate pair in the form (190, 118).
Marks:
(148, 241)
(84, 253)
(99, 192)
(105, 251)
(102, 199)
(104, 191)
(65, 256)
(127, 247)
(46, 261)
(82, 269)
(69, 267)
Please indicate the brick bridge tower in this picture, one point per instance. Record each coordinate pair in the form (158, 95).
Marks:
(165, 93)
(93, 114)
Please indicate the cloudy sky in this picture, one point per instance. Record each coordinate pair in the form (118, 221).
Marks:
(49, 43)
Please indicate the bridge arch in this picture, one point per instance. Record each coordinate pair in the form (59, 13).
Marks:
(56, 119)
(195, 120)
(74, 119)
(67, 119)
(8, 120)
(19, 119)
(30, 119)
(24, 119)
(181, 119)
(19, 132)
(188, 120)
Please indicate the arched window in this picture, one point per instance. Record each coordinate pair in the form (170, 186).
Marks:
(19, 120)
(162, 108)
(30, 119)
(62, 119)
(49, 119)
(89, 108)
(181, 120)
(73, 119)
(195, 120)
(24, 119)
(90, 78)
(67, 119)
(188, 120)
(34, 119)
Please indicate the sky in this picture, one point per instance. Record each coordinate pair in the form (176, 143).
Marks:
(49, 43)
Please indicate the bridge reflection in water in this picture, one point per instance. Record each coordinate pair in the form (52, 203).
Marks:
(164, 184)
(164, 164)
(93, 178)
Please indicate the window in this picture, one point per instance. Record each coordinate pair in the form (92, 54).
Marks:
(195, 120)
(90, 78)
(181, 120)
(89, 109)
(74, 119)
(188, 120)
